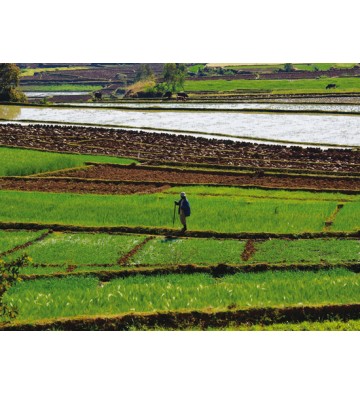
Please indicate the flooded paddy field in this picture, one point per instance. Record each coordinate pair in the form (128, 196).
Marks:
(53, 93)
(292, 106)
(301, 128)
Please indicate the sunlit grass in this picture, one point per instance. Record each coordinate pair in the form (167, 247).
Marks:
(85, 296)
(348, 216)
(313, 251)
(31, 72)
(11, 239)
(345, 84)
(60, 88)
(80, 248)
(163, 251)
(217, 213)
(20, 162)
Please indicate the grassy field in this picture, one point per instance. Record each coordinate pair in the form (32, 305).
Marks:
(348, 216)
(277, 86)
(60, 88)
(260, 193)
(216, 213)
(68, 297)
(9, 240)
(163, 251)
(89, 252)
(297, 66)
(31, 72)
(314, 251)
(335, 325)
(79, 249)
(21, 162)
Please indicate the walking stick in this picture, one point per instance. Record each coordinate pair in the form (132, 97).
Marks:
(174, 214)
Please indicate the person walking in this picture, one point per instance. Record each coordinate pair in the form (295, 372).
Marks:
(184, 209)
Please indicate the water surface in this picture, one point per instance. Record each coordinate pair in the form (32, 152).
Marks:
(319, 128)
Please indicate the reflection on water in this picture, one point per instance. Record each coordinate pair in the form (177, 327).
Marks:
(350, 108)
(10, 112)
(304, 128)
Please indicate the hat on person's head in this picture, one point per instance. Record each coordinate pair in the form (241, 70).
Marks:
(183, 194)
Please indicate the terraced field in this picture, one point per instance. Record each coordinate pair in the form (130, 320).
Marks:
(272, 240)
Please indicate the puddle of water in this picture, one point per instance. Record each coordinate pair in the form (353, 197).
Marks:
(321, 128)
(49, 94)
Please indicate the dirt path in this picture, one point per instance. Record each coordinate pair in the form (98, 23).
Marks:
(194, 318)
(182, 177)
(73, 186)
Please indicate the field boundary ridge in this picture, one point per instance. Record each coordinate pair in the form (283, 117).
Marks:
(201, 319)
(174, 233)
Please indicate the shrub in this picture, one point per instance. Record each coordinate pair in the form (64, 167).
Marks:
(9, 275)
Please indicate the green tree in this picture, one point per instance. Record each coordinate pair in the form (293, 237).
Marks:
(144, 73)
(288, 67)
(9, 83)
(174, 76)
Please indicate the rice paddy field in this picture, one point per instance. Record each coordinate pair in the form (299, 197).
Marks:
(109, 260)
(19, 162)
(105, 249)
(276, 86)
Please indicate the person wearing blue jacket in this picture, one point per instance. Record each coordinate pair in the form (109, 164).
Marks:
(184, 209)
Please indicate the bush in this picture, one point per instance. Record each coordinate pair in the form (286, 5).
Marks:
(9, 275)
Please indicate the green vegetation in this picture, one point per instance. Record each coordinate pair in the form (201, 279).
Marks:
(144, 73)
(174, 76)
(9, 83)
(60, 88)
(21, 162)
(263, 194)
(323, 66)
(80, 249)
(89, 252)
(351, 325)
(11, 239)
(163, 251)
(222, 214)
(345, 84)
(83, 296)
(348, 216)
(31, 72)
(9, 275)
(297, 66)
(314, 251)
(195, 68)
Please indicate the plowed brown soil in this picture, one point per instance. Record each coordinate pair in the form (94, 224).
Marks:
(102, 188)
(130, 173)
(176, 148)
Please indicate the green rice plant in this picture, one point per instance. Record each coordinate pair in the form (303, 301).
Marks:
(80, 249)
(333, 325)
(30, 72)
(61, 88)
(323, 66)
(297, 66)
(344, 84)
(68, 297)
(347, 217)
(11, 239)
(312, 250)
(260, 193)
(168, 251)
(22, 162)
(216, 213)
